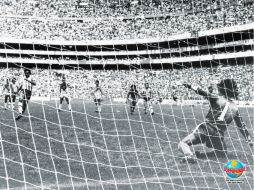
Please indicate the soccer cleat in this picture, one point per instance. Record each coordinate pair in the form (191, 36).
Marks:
(18, 117)
(59, 110)
(152, 113)
(190, 159)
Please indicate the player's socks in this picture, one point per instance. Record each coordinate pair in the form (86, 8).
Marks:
(185, 148)
(60, 107)
(5, 106)
(99, 108)
(69, 106)
(151, 110)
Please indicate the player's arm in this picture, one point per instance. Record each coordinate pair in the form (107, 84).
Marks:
(200, 91)
(139, 95)
(3, 89)
(31, 81)
(242, 128)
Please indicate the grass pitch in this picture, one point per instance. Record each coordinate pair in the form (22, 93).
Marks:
(112, 150)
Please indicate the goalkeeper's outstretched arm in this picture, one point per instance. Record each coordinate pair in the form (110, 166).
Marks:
(199, 91)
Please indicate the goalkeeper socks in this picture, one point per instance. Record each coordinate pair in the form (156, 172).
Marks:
(151, 110)
(185, 148)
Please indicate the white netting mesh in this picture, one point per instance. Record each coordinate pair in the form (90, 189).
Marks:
(120, 43)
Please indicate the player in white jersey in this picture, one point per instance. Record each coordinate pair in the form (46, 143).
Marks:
(223, 110)
(147, 98)
(97, 93)
(64, 95)
(14, 89)
(7, 91)
(25, 92)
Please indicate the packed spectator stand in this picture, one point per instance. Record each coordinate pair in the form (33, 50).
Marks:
(100, 20)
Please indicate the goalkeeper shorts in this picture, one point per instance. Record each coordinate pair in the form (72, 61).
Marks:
(206, 133)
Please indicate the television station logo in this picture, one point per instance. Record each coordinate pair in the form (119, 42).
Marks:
(234, 170)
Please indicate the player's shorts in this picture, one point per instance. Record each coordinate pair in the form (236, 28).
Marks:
(64, 96)
(25, 95)
(133, 102)
(146, 99)
(97, 101)
(11, 98)
(6, 98)
(206, 133)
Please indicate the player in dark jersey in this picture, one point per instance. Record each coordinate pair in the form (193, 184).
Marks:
(222, 112)
(64, 95)
(132, 97)
(25, 92)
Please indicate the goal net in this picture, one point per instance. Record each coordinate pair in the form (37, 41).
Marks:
(81, 128)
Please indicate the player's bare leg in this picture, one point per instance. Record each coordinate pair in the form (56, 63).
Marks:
(21, 106)
(60, 105)
(99, 106)
(6, 102)
(150, 108)
(13, 99)
(68, 103)
(132, 106)
(145, 107)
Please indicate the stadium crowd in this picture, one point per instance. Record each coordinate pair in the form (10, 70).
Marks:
(116, 83)
(54, 20)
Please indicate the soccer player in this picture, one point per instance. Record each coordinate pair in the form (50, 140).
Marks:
(147, 96)
(97, 93)
(25, 92)
(132, 97)
(64, 95)
(7, 94)
(14, 89)
(222, 112)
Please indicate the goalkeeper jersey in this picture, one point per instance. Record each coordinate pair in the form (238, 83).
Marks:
(222, 111)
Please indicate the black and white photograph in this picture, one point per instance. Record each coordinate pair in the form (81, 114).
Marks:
(126, 94)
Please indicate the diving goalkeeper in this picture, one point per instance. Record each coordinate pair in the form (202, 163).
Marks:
(222, 112)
